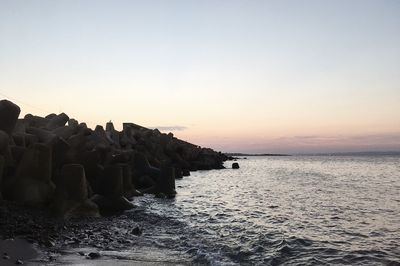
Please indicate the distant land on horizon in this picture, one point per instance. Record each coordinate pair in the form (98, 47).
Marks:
(366, 153)
(350, 153)
(255, 154)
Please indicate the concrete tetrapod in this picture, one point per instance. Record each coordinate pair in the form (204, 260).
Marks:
(111, 198)
(1, 175)
(5, 148)
(57, 121)
(165, 185)
(71, 198)
(33, 185)
(9, 113)
(128, 186)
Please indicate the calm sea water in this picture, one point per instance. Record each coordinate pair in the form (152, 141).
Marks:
(283, 210)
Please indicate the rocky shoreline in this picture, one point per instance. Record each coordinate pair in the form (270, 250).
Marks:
(60, 181)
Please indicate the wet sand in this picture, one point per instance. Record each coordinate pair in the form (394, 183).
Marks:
(13, 250)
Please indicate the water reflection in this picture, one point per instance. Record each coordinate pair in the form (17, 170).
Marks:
(295, 210)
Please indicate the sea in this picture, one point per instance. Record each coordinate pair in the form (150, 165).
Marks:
(294, 210)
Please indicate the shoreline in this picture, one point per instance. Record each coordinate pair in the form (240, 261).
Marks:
(121, 239)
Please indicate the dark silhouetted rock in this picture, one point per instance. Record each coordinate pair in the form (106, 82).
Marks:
(112, 192)
(57, 121)
(5, 150)
(35, 121)
(33, 183)
(71, 198)
(94, 255)
(136, 231)
(1, 175)
(9, 113)
(235, 166)
(185, 172)
(107, 166)
(178, 173)
(166, 181)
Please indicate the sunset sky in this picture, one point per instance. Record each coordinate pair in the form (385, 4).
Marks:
(237, 76)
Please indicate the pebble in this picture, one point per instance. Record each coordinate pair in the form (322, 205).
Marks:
(136, 231)
(19, 262)
(94, 255)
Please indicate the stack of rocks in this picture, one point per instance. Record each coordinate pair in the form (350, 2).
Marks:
(58, 162)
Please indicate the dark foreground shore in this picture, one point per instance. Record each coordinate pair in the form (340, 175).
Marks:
(32, 237)
(67, 190)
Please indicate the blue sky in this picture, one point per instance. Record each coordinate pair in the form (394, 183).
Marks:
(234, 75)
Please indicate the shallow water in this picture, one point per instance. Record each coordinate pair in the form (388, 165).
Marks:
(283, 210)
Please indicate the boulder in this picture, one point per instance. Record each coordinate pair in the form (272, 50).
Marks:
(19, 139)
(43, 135)
(9, 113)
(20, 126)
(71, 198)
(5, 149)
(35, 121)
(178, 173)
(33, 185)
(111, 198)
(185, 172)
(112, 135)
(1, 175)
(30, 139)
(166, 181)
(66, 131)
(235, 166)
(128, 188)
(57, 121)
(17, 153)
(73, 123)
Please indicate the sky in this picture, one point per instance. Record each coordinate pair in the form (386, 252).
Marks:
(237, 76)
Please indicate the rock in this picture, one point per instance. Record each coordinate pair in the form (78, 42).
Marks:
(65, 132)
(178, 173)
(33, 183)
(71, 198)
(94, 255)
(49, 243)
(112, 181)
(235, 166)
(19, 262)
(5, 150)
(136, 231)
(1, 175)
(128, 188)
(6, 257)
(20, 126)
(9, 113)
(166, 181)
(73, 123)
(112, 135)
(19, 139)
(17, 153)
(35, 121)
(185, 172)
(43, 135)
(57, 121)
(30, 139)
(112, 191)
